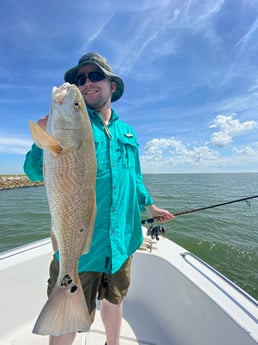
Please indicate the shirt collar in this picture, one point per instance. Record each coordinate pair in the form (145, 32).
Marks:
(93, 113)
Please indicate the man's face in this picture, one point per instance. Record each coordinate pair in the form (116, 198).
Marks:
(96, 94)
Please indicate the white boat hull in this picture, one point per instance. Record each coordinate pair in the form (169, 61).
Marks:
(174, 299)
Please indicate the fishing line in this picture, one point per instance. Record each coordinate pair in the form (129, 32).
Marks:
(152, 220)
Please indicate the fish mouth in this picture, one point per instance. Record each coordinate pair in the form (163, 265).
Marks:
(59, 94)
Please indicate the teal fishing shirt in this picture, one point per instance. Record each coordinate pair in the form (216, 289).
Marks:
(120, 194)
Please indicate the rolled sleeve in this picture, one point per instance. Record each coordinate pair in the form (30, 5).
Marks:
(33, 164)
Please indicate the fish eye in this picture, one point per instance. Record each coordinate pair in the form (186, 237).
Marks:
(77, 104)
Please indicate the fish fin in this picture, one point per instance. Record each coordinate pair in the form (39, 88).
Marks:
(65, 311)
(91, 224)
(43, 140)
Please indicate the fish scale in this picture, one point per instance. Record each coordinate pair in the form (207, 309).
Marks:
(70, 178)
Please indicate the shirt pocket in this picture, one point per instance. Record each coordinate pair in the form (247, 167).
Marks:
(126, 151)
(102, 156)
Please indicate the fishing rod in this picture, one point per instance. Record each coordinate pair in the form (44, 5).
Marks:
(152, 220)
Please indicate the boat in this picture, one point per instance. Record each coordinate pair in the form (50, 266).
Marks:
(175, 298)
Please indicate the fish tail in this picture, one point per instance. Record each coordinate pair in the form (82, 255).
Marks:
(65, 312)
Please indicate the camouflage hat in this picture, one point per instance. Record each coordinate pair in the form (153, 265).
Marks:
(98, 60)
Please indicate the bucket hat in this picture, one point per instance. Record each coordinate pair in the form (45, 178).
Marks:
(98, 60)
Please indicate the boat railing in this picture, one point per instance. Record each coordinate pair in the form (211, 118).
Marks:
(185, 255)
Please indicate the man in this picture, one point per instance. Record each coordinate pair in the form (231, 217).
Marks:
(120, 194)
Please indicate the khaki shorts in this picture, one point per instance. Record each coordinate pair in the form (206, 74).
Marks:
(95, 285)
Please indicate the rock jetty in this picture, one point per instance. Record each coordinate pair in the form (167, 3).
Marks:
(16, 181)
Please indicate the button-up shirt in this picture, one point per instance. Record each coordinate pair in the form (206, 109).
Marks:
(120, 194)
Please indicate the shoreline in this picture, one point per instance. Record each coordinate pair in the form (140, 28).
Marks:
(17, 181)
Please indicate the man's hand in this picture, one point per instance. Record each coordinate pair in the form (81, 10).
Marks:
(160, 214)
(43, 122)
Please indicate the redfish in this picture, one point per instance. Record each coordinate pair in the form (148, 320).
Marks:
(70, 180)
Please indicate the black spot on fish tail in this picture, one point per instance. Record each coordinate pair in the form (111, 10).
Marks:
(82, 229)
(74, 288)
(67, 280)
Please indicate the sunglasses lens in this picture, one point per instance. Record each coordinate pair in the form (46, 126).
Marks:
(94, 77)
(81, 79)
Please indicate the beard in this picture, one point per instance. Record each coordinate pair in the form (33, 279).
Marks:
(98, 100)
(98, 104)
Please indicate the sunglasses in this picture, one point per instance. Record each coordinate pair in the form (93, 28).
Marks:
(93, 76)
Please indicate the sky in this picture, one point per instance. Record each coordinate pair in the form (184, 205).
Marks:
(190, 70)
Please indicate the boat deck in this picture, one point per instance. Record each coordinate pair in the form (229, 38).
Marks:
(174, 299)
(96, 336)
(139, 325)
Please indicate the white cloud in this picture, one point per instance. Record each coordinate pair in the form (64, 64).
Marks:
(171, 155)
(249, 150)
(159, 30)
(171, 151)
(14, 145)
(229, 128)
(245, 39)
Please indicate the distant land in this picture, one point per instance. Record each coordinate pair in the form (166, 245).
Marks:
(16, 181)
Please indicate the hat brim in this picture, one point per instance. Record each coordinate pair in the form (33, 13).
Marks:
(71, 75)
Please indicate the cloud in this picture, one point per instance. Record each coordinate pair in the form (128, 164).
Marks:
(159, 30)
(197, 12)
(249, 150)
(170, 154)
(229, 128)
(171, 151)
(220, 139)
(166, 155)
(249, 35)
(14, 145)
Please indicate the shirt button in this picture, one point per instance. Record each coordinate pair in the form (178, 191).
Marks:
(113, 165)
(115, 186)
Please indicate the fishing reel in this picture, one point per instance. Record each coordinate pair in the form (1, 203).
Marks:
(156, 231)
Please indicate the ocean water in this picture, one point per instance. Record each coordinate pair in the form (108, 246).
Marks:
(226, 237)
